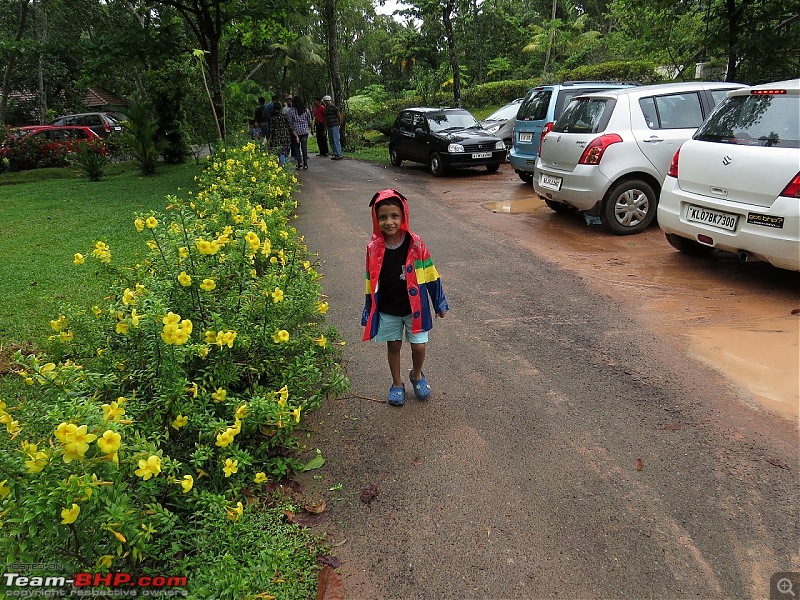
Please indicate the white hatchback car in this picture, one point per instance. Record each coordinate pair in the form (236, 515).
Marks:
(609, 151)
(735, 185)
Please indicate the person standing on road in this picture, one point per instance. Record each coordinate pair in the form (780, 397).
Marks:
(280, 132)
(320, 128)
(301, 120)
(400, 277)
(333, 120)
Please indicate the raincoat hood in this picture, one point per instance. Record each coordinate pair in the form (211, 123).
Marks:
(377, 199)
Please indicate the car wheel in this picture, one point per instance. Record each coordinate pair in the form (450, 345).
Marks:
(559, 207)
(525, 176)
(437, 168)
(492, 168)
(686, 245)
(395, 157)
(629, 207)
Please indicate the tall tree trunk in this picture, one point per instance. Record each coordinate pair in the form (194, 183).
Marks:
(23, 17)
(42, 41)
(333, 60)
(447, 12)
(551, 36)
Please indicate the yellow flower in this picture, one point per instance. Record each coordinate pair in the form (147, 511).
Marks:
(97, 311)
(277, 295)
(210, 336)
(36, 461)
(231, 467)
(152, 245)
(122, 328)
(113, 411)
(77, 442)
(281, 336)
(283, 393)
(322, 308)
(193, 389)
(225, 438)
(296, 414)
(266, 247)
(104, 562)
(139, 225)
(184, 279)
(180, 421)
(260, 477)
(235, 513)
(219, 395)
(241, 411)
(135, 318)
(208, 285)
(206, 247)
(65, 429)
(183, 252)
(322, 341)
(128, 296)
(186, 483)
(109, 442)
(4, 489)
(68, 515)
(149, 468)
(203, 352)
(58, 324)
(225, 338)
(78, 259)
(151, 223)
(253, 241)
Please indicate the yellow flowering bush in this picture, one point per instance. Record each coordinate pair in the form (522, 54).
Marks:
(179, 388)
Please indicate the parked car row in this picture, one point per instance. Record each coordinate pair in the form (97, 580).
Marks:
(725, 177)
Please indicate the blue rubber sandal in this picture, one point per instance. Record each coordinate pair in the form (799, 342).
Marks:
(421, 387)
(397, 395)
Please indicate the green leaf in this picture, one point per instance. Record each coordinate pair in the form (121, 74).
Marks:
(314, 463)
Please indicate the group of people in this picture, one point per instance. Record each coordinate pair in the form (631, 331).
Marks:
(285, 128)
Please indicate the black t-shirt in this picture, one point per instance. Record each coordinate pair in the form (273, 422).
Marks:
(393, 296)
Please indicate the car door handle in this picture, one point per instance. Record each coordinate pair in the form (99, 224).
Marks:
(653, 139)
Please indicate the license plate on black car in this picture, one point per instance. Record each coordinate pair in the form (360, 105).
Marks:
(481, 155)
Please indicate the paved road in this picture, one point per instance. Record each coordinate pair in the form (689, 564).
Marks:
(519, 478)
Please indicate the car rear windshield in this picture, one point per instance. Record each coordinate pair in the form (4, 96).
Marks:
(584, 115)
(770, 120)
(451, 120)
(534, 106)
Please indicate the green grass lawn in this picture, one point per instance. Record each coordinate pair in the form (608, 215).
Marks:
(48, 215)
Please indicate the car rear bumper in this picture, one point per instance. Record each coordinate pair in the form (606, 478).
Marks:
(522, 162)
(779, 246)
(582, 188)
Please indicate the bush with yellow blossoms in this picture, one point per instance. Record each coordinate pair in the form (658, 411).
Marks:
(183, 386)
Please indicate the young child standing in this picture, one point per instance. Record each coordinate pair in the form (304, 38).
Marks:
(399, 279)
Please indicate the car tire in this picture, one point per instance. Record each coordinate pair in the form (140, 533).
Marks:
(394, 157)
(686, 245)
(559, 207)
(493, 168)
(436, 165)
(525, 176)
(629, 207)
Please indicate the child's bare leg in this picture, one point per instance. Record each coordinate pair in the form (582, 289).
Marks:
(417, 359)
(393, 355)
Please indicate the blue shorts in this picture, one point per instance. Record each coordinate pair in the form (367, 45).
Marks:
(390, 329)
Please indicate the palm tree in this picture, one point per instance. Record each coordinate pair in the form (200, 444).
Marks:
(557, 38)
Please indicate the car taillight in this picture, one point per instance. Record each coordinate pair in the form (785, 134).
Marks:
(767, 92)
(548, 127)
(793, 189)
(594, 151)
(107, 126)
(673, 166)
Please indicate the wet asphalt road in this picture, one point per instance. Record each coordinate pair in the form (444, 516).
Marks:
(519, 478)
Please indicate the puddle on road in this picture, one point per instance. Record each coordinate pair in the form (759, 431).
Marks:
(735, 318)
(523, 205)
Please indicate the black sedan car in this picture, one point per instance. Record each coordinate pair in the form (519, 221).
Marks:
(444, 138)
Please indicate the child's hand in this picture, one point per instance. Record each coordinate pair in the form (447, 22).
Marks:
(440, 315)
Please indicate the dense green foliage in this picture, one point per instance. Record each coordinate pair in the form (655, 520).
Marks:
(148, 430)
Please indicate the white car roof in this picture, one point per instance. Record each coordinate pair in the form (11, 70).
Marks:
(790, 85)
(658, 88)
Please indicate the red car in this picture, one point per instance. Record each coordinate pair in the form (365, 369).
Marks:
(61, 137)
